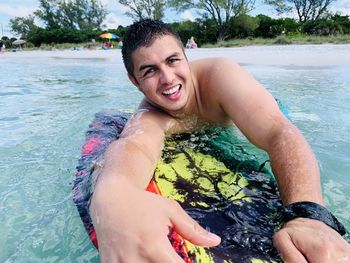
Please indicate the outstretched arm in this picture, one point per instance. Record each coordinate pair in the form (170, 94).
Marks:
(294, 165)
(132, 224)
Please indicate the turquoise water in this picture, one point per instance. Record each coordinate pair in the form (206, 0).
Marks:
(47, 103)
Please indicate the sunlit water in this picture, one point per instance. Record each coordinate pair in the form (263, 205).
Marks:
(47, 103)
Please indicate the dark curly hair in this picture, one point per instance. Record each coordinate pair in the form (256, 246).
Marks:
(142, 34)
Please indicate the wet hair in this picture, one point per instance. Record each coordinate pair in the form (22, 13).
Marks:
(142, 34)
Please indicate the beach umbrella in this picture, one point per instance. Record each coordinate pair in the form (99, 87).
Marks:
(109, 36)
(19, 42)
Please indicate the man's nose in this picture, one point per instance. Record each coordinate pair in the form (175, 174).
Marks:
(166, 76)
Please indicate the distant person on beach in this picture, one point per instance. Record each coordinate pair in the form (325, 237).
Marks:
(180, 96)
(120, 44)
(191, 43)
(106, 45)
(2, 47)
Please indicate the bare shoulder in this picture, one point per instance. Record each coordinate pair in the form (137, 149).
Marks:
(217, 72)
(149, 119)
(212, 61)
(213, 65)
(238, 94)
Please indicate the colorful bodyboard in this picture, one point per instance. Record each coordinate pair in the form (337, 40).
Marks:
(234, 198)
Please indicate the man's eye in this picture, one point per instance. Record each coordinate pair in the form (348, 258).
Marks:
(149, 72)
(173, 60)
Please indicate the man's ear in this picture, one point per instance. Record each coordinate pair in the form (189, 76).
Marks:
(133, 80)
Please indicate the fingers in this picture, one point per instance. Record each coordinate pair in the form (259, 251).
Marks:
(289, 253)
(190, 230)
(308, 240)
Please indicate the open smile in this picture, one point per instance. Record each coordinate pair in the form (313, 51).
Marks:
(173, 91)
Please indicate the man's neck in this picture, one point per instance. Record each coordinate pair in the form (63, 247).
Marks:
(192, 107)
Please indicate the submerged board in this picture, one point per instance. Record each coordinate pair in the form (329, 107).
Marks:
(208, 174)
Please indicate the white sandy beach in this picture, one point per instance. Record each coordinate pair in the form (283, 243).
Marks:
(298, 55)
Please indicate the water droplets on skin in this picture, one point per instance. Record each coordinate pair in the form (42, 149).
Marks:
(190, 123)
(97, 168)
(136, 129)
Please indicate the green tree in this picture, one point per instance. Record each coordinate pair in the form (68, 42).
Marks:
(268, 27)
(187, 29)
(219, 11)
(343, 22)
(209, 31)
(22, 26)
(6, 41)
(334, 25)
(290, 26)
(243, 26)
(307, 10)
(73, 14)
(141, 9)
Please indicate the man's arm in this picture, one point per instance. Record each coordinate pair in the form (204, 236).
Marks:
(256, 114)
(132, 224)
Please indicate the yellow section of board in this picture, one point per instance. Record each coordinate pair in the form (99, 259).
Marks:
(199, 171)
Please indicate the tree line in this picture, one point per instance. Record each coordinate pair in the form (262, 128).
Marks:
(79, 21)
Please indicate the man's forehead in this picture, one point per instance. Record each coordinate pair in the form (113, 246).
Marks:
(160, 49)
(171, 42)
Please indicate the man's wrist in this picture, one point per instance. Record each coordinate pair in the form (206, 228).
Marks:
(314, 211)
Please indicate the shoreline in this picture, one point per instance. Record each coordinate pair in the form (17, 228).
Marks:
(283, 55)
(277, 55)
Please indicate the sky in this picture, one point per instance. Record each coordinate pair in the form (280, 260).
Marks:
(22, 8)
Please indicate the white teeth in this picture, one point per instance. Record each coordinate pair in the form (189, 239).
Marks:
(172, 90)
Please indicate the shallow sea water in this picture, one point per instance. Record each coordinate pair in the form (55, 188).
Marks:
(47, 103)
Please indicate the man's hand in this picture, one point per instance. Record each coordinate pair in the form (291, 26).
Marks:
(307, 240)
(132, 224)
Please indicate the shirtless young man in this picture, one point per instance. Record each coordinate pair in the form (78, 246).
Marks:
(214, 91)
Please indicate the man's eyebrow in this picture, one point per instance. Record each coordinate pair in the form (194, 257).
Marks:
(144, 66)
(175, 54)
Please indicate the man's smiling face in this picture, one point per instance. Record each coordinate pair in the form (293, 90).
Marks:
(162, 74)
